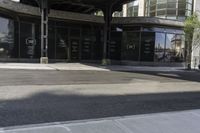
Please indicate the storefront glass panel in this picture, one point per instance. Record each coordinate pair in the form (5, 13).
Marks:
(88, 39)
(170, 9)
(131, 45)
(147, 46)
(7, 38)
(115, 45)
(75, 44)
(97, 53)
(28, 42)
(62, 43)
(169, 49)
(160, 47)
(179, 48)
(51, 42)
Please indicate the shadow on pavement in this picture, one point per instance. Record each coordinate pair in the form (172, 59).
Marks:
(183, 74)
(50, 107)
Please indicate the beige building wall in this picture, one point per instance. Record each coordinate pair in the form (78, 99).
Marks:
(197, 6)
(141, 8)
(125, 10)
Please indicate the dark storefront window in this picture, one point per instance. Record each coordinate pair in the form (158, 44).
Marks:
(98, 44)
(28, 42)
(147, 46)
(115, 45)
(75, 44)
(88, 39)
(7, 38)
(62, 43)
(131, 44)
(51, 42)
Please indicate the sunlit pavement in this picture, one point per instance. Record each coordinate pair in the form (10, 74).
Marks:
(80, 66)
(173, 122)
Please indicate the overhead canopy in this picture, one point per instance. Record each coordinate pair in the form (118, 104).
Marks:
(80, 6)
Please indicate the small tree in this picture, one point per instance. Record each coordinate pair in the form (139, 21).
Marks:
(191, 25)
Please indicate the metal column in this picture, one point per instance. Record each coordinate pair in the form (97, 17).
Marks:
(44, 31)
(107, 30)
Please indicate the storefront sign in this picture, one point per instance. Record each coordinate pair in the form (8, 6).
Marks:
(30, 43)
(131, 46)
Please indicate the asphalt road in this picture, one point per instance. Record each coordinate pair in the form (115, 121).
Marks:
(31, 97)
(40, 77)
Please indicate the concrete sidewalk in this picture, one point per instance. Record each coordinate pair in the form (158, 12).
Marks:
(172, 122)
(88, 67)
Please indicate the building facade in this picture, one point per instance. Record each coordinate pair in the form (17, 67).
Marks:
(196, 41)
(148, 32)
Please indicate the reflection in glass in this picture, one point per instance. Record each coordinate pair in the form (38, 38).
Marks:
(169, 52)
(132, 8)
(170, 9)
(174, 48)
(118, 14)
(160, 47)
(61, 43)
(179, 48)
(6, 37)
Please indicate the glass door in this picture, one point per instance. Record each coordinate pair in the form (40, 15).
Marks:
(62, 43)
(75, 45)
(75, 49)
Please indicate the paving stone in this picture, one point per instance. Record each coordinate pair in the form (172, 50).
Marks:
(53, 129)
(96, 127)
(173, 122)
(163, 123)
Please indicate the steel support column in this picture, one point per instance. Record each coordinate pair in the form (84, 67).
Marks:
(107, 34)
(44, 31)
